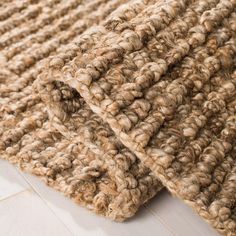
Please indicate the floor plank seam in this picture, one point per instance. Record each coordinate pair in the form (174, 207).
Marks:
(44, 201)
(15, 194)
(163, 222)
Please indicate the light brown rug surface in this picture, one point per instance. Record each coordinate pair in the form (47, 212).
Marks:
(109, 179)
(149, 93)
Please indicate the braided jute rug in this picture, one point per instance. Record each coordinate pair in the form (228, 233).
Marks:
(102, 99)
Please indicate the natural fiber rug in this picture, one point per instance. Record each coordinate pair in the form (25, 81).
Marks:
(148, 93)
(109, 179)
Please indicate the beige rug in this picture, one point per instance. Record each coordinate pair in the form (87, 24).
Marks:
(109, 180)
(128, 95)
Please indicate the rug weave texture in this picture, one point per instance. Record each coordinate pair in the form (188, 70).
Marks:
(109, 179)
(108, 97)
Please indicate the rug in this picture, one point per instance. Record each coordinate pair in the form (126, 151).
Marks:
(148, 93)
(108, 180)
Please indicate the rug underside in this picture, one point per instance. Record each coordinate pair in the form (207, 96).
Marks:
(103, 99)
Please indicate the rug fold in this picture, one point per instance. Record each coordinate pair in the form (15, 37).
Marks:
(108, 179)
(164, 80)
(108, 101)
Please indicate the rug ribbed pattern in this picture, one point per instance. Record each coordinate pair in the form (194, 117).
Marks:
(104, 98)
(108, 179)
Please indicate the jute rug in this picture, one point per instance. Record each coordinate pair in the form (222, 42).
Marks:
(109, 179)
(103, 98)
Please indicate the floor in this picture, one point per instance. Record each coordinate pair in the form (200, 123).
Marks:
(28, 207)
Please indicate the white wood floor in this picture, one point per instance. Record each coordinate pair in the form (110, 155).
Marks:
(29, 208)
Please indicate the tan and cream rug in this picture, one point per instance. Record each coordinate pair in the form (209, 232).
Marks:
(108, 101)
